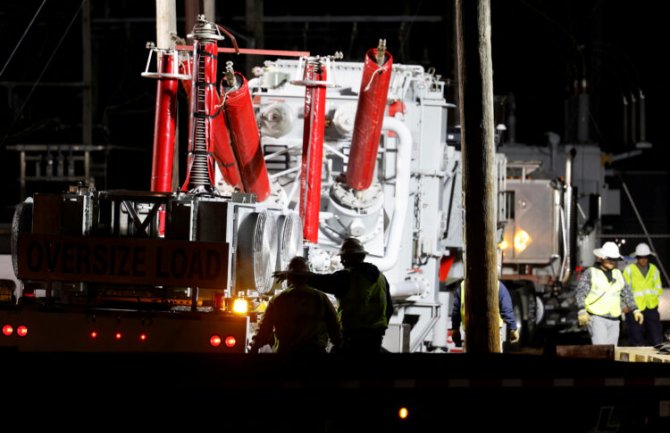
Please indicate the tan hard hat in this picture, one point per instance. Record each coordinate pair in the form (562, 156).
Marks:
(352, 246)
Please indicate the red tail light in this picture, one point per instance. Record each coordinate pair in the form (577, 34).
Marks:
(215, 341)
(143, 337)
(7, 330)
(93, 334)
(22, 331)
(118, 336)
(230, 341)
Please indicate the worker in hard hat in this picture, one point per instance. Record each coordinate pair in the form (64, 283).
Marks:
(603, 295)
(363, 295)
(299, 319)
(508, 323)
(645, 282)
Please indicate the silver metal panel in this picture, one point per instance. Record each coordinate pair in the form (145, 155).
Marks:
(536, 214)
(396, 338)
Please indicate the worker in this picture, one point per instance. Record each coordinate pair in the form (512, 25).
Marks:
(299, 319)
(602, 295)
(508, 323)
(364, 300)
(645, 282)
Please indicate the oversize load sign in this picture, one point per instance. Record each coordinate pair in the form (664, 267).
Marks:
(122, 260)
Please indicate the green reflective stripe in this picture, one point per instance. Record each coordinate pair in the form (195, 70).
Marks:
(604, 298)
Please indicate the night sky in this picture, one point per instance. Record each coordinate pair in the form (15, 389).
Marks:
(540, 50)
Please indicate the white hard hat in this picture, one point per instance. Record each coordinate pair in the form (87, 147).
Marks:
(609, 250)
(642, 250)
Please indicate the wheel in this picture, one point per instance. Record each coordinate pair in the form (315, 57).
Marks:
(527, 310)
(22, 222)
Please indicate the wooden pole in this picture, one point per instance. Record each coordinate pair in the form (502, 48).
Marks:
(475, 87)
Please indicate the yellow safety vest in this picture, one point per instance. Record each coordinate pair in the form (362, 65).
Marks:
(463, 306)
(646, 288)
(604, 298)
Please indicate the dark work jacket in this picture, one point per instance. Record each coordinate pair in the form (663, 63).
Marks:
(302, 319)
(363, 295)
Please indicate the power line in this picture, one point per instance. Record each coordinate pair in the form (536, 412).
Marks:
(25, 32)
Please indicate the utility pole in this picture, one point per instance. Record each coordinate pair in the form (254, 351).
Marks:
(475, 88)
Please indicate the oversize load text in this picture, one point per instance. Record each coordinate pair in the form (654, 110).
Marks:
(123, 260)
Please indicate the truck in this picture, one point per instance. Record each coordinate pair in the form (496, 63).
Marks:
(308, 152)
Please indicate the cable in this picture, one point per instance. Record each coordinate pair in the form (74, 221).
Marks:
(44, 69)
(25, 32)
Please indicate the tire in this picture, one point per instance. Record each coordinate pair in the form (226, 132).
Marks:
(525, 311)
(22, 222)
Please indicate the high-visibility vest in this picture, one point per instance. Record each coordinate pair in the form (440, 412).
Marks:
(646, 288)
(604, 298)
(463, 305)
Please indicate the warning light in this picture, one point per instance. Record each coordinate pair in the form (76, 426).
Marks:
(521, 240)
(22, 331)
(403, 413)
(230, 341)
(240, 306)
(215, 341)
(143, 337)
(7, 330)
(93, 334)
(118, 336)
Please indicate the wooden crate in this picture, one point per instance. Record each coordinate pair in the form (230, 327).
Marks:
(600, 351)
(640, 354)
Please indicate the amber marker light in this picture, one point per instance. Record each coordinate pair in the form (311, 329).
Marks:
(230, 341)
(403, 413)
(240, 306)
(215, 341)
(521, 240)
(22, 331)
(7, 330)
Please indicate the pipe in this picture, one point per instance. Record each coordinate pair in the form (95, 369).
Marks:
(246, 139)
(397, 226)
(405, 289)
(165, 129)
(223, 151)
(165, 125)
(369, 117)
(312, 150)
(569, 226)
